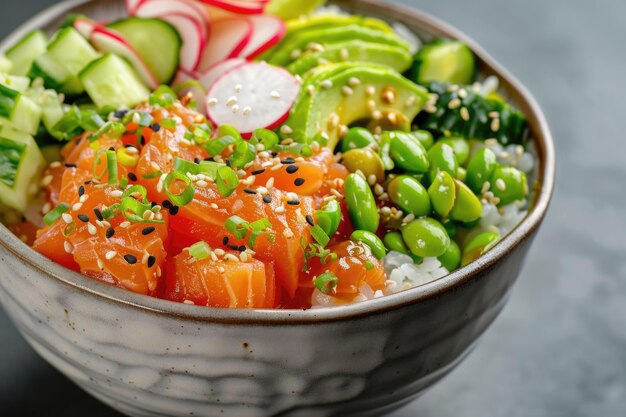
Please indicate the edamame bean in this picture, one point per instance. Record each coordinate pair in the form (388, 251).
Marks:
(408, 153)
(442, 194)
(460, 146)
(424, 137)
(410, 195)
(450, 227)
(370, 239)
(451, 258)
(478, 246)
(441, 158)
(393, 242)
(480, 169)
(365, 160)
(508, 184)
(467, 207)
(461, 174)
(329, 217)
(425, 237)
(357, 138)
(361, 203)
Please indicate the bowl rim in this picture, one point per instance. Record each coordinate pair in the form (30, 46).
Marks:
(403, 14)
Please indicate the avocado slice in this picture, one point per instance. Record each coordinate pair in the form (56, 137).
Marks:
(332, 20)
(394, 57)
(284, 54)
(341, 94)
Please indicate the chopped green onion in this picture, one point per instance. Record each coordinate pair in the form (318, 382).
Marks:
(114, 130)
(200, 250)
(127, 159)
(226, 180)
(123, 183)
(134, 209)
(201, 133)
(244, 153)
(267, 138)
(96, 162)
(183, 166)
(168, 123)
(189, 84)
(296, 148)
(320, 235)
(228, 130)
(186, 196)
(260, 224)
(163, 96)
(326, 282)
(68, 229)
(369, 265)
(112, 167)
(55, 214)
(111, 212)
(237, 226)
(142, 118)
(216, 147)
(151, 175)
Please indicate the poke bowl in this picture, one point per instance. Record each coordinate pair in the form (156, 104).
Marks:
(189, 253)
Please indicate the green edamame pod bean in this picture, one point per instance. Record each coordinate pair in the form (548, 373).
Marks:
(442, 194)
(508, 184)
(461, 174)
(480, 169)
(441, 158)
(425, 237)
(361, 203)
(357, 138)
(370, 239)
(410, 195)
(408, 153)
(467, 206)
(451, 258)
(365, 160)
(478, 246)
(393, 242)
(329, 217)
(424, 137)
(460, 146)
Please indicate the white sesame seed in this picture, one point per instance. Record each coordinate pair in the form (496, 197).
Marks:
(68, 247)
(100, 264)
(247, 110)
(116, 193)
(219, 252)
(410, 101)
(83, 198)
(465, 114)
(110, 255)
(46, 180)
(326, 84)
(124, 225)
(231, 101)
(275, 95)
(495, 125)
(280, 209)
(296, 53)
(67, 218)
(213, 102)
(347, 91)
(500, 184)
(288, 233)
(270, 183)
(214, 206)
(243, 257)
(202, 184)
(336, 193)
(455, 103)
(371, 179)
(238, 88)
(92, 229)
(310, 89)
(235, 109)
(370, 90)
(231, 257)
(286, 130)
(354, 82)
(462, 93)
(344, 54)
(55, 164)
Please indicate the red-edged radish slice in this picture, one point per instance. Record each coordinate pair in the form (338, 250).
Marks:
(227, 39)
(162, 8)
(194, 39)
(238, 6)
(131, 5)
(85, 26)
(252, 96)
(106, 40)
(216, 71)
(267, 31)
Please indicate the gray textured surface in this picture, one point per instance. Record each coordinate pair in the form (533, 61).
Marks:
(559, 348)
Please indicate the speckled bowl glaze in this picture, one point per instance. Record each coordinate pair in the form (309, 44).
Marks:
(148, 357)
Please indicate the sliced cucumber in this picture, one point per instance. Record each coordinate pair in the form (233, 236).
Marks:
(111, 81)
(157, 42)
(444, 61)
(53, 74)
(51, 106)
(21, 164)
(15, 82)
(5, 64)
(19, 111)
(23, 53)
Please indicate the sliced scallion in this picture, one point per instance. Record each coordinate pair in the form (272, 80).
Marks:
(127, 159)
(186, 196)
(320, 235)
(226, 180)
(237, 226)
(244, 153)
(112, 167)
(200, 250)
(326, 282)
(55, 214)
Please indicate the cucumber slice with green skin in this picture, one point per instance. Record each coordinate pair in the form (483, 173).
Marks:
(19, 111)
(5, 64)
(111, 81)
(157, 42)
(444, 61)
(23, 53)
(50, 71)
(51, 106)
(15, 82)
(509, 127)
(21, 164)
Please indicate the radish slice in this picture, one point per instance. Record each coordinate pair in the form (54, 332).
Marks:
(267, 32)
(106, 41)
(194, 39)
(238, 6)
(216, 71)
(162, 8)
(131, 5)
(85, 26)
(228, 38)
(252, 96)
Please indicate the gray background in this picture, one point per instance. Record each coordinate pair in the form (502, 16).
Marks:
(559, 348)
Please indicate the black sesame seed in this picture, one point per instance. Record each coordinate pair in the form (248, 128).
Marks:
(292, 169)
(288, 161)
(87, 182)
(155, 127)
(293, 202)
(298, 182)
(153, 204)
(151, 261)
(258, 171)
(68, 165)
(249, 191)
(119, 114)
(233, 247)
(111, 148)
(128, 145)
(98, 214)
(274, 154)
(197, 160)
(146, 231)
(225, 241)
(132, 176)
(81, 191)
(83, 218)
(309, 220)
(166, 204)
(174, 210)
(130, 259)
(110, 232)
(267, 198)
(228, 164)
(143, 141)
(209, 159)
(241, 248)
